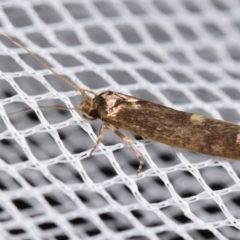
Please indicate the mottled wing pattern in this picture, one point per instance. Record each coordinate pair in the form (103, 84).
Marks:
(178, 129)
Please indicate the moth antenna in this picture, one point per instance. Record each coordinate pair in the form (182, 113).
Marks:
(82, 90)
(42, 107)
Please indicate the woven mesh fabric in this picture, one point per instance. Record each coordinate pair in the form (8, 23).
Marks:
(184, 54)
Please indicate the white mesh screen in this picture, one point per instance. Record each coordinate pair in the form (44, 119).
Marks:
(184, 54)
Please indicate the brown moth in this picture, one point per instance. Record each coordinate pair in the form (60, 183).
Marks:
(178, 129)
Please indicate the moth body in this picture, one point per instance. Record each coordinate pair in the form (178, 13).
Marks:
(166, 125)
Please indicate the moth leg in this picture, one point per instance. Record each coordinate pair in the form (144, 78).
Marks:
(87, 118)
(100, 137)
(127, 141)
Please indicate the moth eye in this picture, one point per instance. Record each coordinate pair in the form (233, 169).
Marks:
(93, 113)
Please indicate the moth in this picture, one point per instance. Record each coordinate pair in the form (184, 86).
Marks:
(153, 121)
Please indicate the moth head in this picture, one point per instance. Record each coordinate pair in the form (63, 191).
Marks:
(88, 107)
